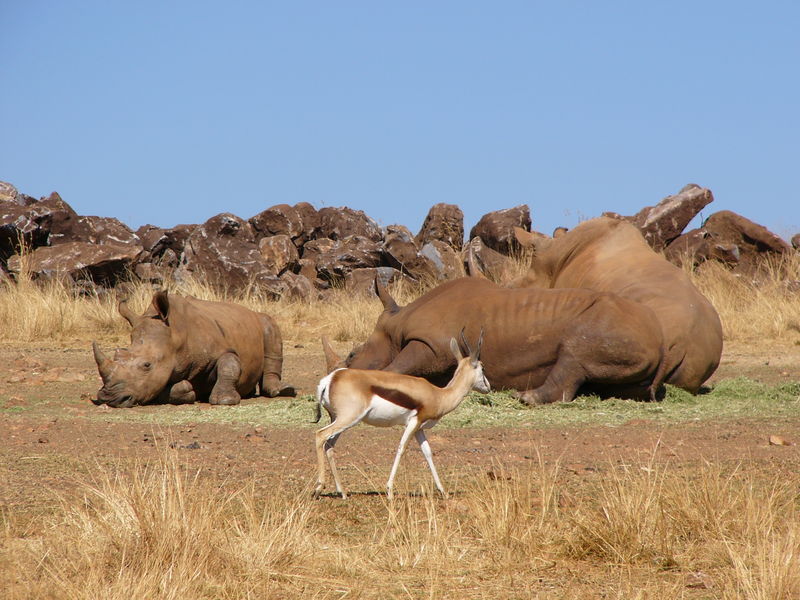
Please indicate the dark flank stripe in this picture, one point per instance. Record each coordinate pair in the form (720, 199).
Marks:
(394, 396)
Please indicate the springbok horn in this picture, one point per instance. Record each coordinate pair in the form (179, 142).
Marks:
(103, 362)
(126, 312)
(386, 298)
(332, 360)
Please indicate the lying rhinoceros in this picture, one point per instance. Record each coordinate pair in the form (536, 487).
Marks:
(184, 350)
(544, 343)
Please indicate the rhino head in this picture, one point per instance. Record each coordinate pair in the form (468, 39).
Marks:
(379, 349)
(138, 374)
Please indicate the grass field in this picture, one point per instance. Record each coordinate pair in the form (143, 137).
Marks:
(682, 498)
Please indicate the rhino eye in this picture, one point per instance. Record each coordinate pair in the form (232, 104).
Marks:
(146, 366)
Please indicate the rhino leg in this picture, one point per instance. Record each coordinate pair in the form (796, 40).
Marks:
(182, 393)
(418, 359)
(228, 370)
(273, 359)
(562, 383)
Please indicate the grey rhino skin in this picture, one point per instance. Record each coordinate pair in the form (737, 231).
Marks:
(185, 350)
(544, 343)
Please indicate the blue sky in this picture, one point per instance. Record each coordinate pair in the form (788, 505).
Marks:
(171, 112)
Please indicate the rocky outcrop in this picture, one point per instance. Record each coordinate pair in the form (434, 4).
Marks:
(339, 223)
(102, 264)
(664, 222)
(279, 253)
(796, 241)
(754, 242)
(496, 229)
(490, 263)
(445, 223)
(362, 281)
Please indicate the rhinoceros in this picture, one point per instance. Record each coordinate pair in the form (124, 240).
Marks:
(610, 255)
(544, 343)
(185, 350)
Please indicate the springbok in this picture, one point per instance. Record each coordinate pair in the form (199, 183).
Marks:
(383, 399)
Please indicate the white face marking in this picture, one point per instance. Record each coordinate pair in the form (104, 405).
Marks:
(382, 413)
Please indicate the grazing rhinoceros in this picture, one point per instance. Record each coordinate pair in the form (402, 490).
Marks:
(545, 343)
(185, 350)
(610, 255)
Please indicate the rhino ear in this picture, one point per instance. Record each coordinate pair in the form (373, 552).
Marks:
(161, 304)
(386, 298)
(559, 231)
(126, 312)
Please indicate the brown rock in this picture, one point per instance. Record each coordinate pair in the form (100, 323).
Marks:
(224, 253)
(442, 261)
(353, 252)
(362, 281)
(279, 253)
(103, 264)
(496, 229)
(280, 219)
(54, 215)
(492, 264)
(796, 241)
(96, 230)
(8, 193)
(298, 287)
(664, 222)
(339, 223)
(753, 241)
(40, 223)
(444, 222)
(696, 246)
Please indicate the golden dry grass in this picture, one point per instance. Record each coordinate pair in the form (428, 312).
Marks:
(641, 531)
(766, 308)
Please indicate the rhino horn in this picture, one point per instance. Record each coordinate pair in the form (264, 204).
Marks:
(103, 362)
(386, 298)
(332, 360)
(127, 313)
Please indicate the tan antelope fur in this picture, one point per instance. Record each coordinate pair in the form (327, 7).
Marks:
(383, 399)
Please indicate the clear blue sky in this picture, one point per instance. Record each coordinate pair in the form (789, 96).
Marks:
(171, 112)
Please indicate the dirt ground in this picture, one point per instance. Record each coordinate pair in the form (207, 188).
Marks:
(44, 448)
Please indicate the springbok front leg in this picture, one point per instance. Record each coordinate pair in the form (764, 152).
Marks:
(326, 439)
(422, 440)
(411, 428)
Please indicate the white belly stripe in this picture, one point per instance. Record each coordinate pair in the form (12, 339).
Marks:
(382, 413)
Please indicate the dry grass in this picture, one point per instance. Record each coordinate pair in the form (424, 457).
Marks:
(766, 308)
(642, 530)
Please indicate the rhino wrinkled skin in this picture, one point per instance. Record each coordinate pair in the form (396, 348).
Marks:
(185, 350)
(544, 343)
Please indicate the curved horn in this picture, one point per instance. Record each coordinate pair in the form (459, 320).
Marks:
(386, 298)
(465, 342)
(103, 362)
(126, 312)
(332, 360)
(472, 264)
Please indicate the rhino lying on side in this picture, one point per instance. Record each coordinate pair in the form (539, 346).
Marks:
(609, 255)
(545, 343)
(185, 350)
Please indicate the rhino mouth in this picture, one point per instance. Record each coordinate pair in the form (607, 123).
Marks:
(114, 400)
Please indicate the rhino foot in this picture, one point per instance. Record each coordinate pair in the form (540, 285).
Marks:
(224, 398)
(530, 397)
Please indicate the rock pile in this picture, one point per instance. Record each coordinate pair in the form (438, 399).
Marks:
(299, 251)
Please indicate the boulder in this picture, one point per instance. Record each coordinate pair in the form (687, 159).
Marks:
(362, 281)
(754, 242)
(157, 241)
(297, 287)
(444, 222)
(102, 264)
(55, 216)
(492, 264)
(8, 193)
(339, 223)
(280, 219)
(696, 246)
(223, 252)
(664, 222)
(442, 261)
(796, 241)
(97, 230)
(40, 223)
(352, 252)
(279, 253)
(496, 229)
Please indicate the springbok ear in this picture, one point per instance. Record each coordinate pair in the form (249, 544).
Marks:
(386, 298)
(455, 349)
(161, 304)
(126, 312)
